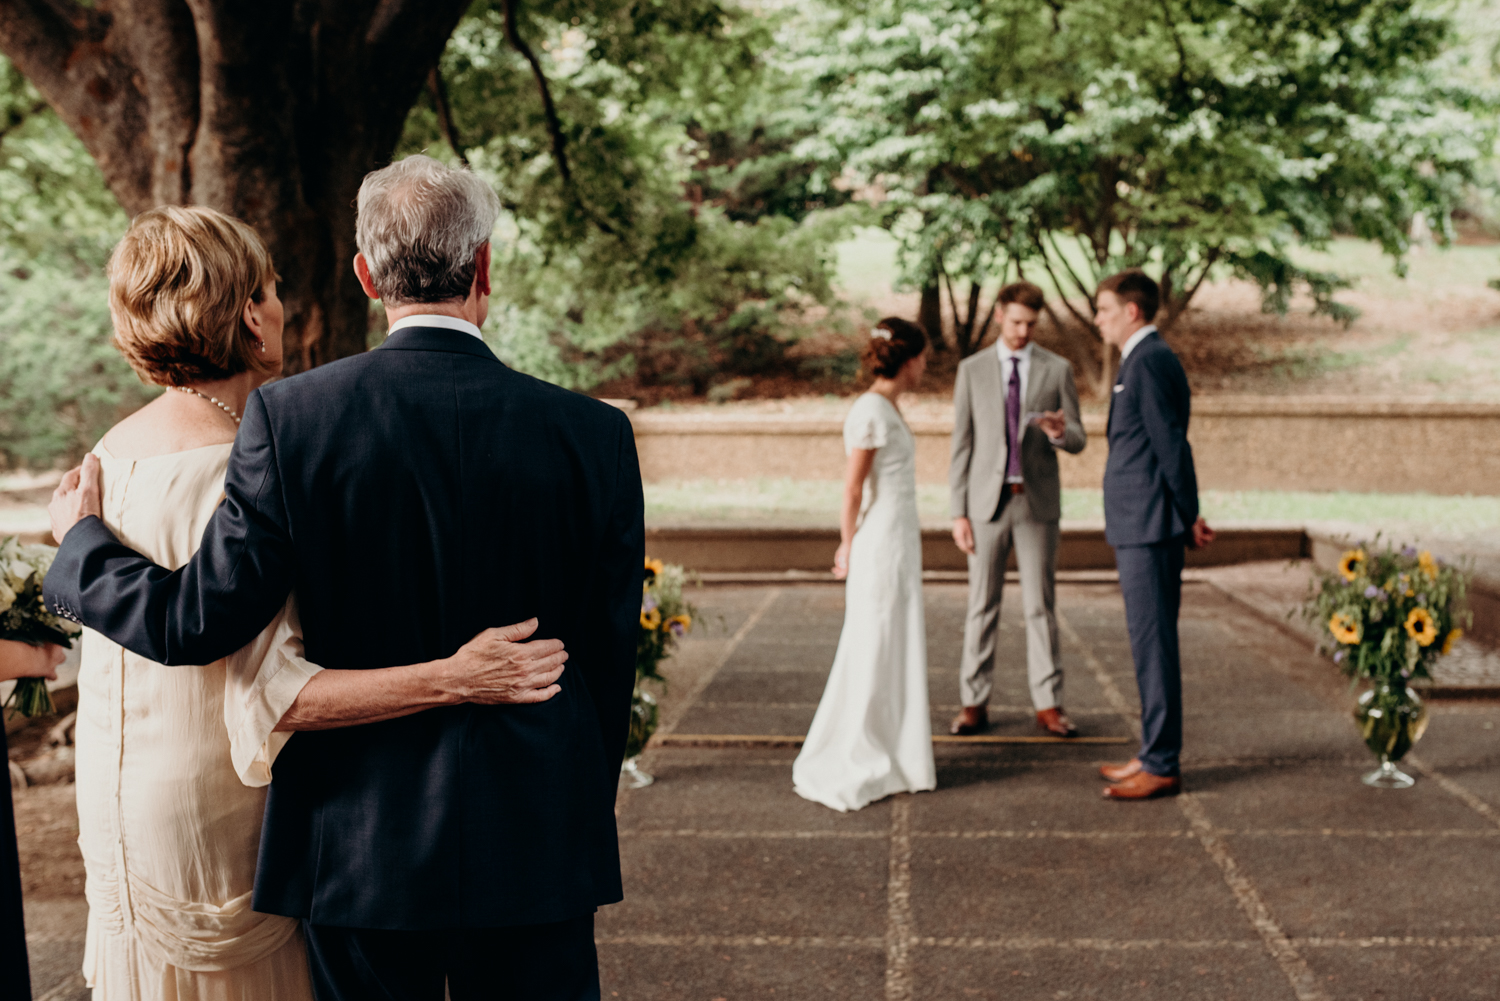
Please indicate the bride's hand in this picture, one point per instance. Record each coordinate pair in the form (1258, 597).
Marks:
(498, 668)
(841, 562)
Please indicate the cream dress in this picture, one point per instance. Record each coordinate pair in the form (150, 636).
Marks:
(872, 735)
(172, 764)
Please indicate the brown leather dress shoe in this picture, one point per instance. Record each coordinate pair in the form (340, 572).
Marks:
(1056, 722)
(1119, 773)
(972, 720)
(1144, 785)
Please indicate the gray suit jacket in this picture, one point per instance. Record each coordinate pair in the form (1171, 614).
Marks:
(976, 472)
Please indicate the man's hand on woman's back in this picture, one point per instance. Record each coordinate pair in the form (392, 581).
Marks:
(79, 495)
(498, 667)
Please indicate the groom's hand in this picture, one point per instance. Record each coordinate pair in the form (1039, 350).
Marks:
(498, 667)
(79, 495)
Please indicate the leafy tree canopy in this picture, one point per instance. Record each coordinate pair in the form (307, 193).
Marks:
(653, 223)
(1080, 137)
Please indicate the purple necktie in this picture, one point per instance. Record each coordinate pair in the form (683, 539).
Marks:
(1013, 421)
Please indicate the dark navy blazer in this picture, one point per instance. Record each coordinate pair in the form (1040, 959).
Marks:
(414, 496)
(1150, 486)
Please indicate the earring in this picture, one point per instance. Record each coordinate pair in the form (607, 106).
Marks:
(261, 346)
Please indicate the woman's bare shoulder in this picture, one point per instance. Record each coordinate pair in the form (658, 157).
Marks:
(165, 425)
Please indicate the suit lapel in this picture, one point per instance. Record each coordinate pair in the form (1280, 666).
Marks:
(1120, 376)
(991, 371)
(1040, 367)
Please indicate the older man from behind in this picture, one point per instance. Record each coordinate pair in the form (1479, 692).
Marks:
(413, 496)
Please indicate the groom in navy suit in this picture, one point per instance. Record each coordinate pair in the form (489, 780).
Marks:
(1150, 516)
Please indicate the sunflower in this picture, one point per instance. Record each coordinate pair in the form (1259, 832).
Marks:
(1428, 564)
(1351, 563)
(1454, 635)
(680, 624)
(1420, 627)
(1345, 628)
(651, 619)
(655, 566)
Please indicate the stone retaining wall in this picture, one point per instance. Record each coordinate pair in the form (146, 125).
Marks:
(769, 549)
(1239, 443)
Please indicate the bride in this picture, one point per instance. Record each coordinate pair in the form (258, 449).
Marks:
(872, 736)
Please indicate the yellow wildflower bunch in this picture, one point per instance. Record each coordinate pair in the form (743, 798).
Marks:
(1346, 628)
(1420, 627)
(1387, 613)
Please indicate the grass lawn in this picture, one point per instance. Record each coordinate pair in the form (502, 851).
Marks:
(816, 502)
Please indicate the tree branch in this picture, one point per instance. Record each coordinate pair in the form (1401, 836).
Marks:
(549, 110)
(70, 54)
(1077, 282)
(1088, 322)
(21, 119)
(1181, 305)
(445, 113)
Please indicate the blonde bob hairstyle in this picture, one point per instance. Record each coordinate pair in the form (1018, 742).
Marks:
(178, 283)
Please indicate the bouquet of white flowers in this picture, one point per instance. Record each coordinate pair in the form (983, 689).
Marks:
(24, 616)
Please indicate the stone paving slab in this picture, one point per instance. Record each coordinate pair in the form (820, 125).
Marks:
(1277, 875)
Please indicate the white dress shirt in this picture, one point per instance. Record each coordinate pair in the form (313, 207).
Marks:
(435, 320)
(1136, 338)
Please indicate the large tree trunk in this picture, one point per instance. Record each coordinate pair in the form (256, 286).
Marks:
(269, 110)
(930, 314)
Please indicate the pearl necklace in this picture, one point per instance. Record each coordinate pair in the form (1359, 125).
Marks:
(222, 406)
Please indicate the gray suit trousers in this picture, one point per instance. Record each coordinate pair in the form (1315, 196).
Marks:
(1035, 543)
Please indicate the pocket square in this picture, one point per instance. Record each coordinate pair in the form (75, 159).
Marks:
(1119, 388)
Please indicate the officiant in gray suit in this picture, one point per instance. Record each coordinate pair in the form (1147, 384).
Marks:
(1014, 406)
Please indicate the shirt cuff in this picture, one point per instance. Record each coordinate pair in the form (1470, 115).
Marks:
(254, 742)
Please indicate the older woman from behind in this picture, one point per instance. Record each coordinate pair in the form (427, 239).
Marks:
(172, 761)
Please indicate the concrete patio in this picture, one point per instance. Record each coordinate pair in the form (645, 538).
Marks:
(1277, 875)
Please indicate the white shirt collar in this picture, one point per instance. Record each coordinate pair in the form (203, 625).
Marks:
(435, 320)
(1136, 338)
(1006, 354)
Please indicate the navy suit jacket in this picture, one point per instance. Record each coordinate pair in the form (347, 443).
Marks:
(414, 496)
(1150, 485)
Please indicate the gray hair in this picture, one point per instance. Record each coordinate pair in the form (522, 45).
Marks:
(419, 226)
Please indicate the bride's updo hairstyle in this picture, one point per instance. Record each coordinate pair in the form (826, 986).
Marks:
(893, 343)
(178, 283)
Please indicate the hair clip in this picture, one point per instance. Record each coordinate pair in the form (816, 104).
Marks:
(880, 333)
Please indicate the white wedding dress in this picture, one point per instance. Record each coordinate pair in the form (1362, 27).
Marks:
(172, 766)
(872, 736)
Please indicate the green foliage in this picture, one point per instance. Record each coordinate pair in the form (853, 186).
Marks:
(61, 382)
(641, 260)
(1182, 136)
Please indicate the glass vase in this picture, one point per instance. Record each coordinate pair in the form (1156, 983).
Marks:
(632, 776)
(1391, 719)
(643, 720)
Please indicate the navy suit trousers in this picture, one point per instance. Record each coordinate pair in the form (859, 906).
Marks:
(546, 962)
(1151, 580)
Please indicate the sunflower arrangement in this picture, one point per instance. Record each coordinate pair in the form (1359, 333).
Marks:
(666, 616)
(24, 616)
(1387, 614)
